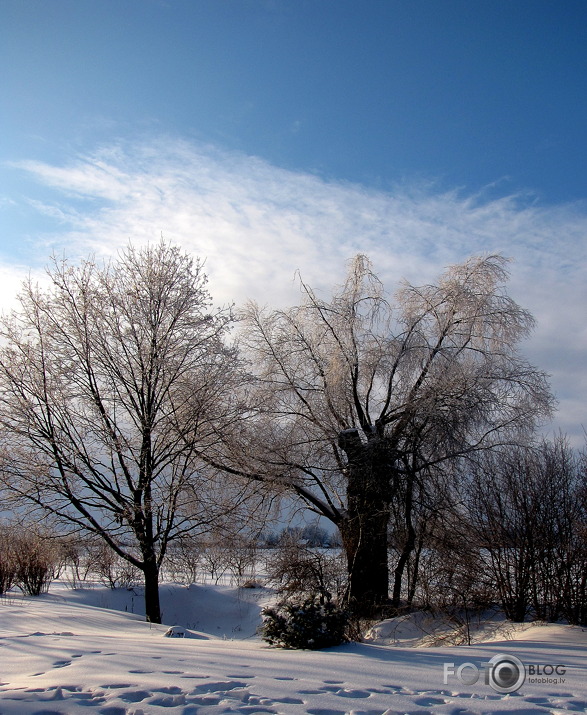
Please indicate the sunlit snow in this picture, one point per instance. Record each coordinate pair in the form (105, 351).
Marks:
(89, 650)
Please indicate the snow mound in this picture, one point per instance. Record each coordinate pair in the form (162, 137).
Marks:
(421, 629)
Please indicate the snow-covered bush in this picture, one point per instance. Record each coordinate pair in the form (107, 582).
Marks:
(311, 624)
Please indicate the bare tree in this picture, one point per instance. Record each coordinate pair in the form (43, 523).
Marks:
(112, 379)
(358, 398)
(527, 512)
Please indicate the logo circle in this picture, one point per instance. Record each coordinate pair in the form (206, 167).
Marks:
(506, 673)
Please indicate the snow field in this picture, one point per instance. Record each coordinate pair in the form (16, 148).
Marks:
(67, 653)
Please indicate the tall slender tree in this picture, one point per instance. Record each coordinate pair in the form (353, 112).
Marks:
(112, 378)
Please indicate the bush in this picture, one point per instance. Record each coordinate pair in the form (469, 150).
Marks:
(312, 624)
(7, 562)
(7, 573)
(183, 560)
(112, 569)
(298, 572)
(36, 562)
(75, 562)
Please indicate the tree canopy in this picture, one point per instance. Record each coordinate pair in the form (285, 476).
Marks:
(359, 396)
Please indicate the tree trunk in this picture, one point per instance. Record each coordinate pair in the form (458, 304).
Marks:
(415, 575)
(364, 529)
(364, 537)
(409, 543)
(151, 574)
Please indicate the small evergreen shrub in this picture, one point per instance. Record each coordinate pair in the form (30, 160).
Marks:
(311, 624)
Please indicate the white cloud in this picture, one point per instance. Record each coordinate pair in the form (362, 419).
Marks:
(256, 224)
(11, 279)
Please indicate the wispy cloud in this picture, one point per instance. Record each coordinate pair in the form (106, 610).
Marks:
(256, 224)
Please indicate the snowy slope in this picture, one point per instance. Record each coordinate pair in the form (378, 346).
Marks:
(69, 652)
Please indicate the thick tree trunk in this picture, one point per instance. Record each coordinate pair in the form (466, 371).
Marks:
(364, 529)
(364, 538)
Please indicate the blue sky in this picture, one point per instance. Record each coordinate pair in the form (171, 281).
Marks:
(272, 135)
(461, 92)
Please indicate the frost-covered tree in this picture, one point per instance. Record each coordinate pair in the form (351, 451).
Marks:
(112, 379)
(358, 398)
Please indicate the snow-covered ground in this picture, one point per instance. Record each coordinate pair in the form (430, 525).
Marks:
(89, 650)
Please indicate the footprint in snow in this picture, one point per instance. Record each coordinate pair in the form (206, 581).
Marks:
(428, 702)
(135, 696)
